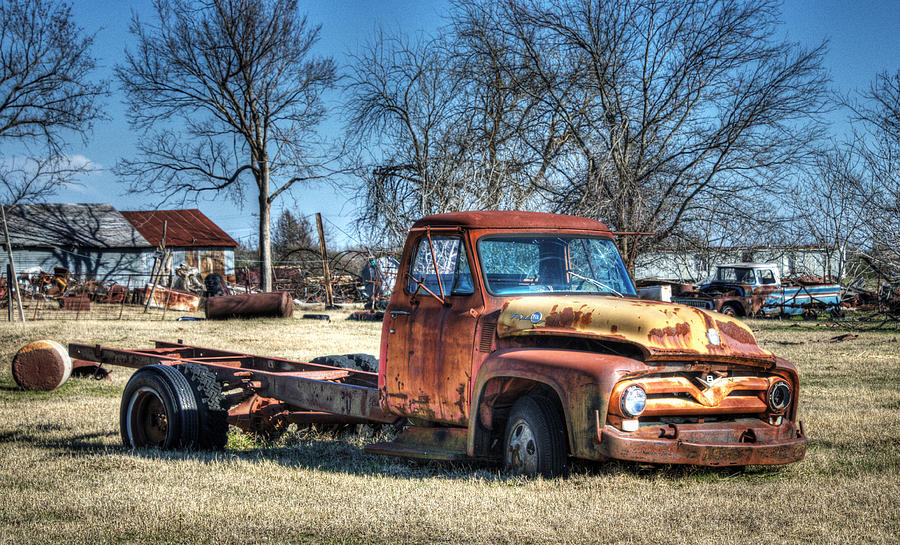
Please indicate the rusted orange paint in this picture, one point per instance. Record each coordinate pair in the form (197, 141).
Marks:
(694, 400)
(171, 298)
(672, 332)
(673, 337)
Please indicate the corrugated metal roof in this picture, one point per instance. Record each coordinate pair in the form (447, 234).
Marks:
(183, 228)
(52, 225)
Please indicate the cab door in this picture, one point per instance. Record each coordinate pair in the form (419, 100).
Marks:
(431, 325)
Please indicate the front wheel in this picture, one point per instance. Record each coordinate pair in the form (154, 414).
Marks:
(535, 438)
(729, 310)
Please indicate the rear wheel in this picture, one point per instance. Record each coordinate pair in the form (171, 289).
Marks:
(535, 438)
(158, 410)
(212, 415)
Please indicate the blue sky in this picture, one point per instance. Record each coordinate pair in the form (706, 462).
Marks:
(864, 39)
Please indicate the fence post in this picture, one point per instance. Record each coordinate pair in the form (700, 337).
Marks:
(11, 267)
(9, 293)
(166, 304)
(125, 296)
(329, 298)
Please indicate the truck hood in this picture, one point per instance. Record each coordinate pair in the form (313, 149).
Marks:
(662, 331)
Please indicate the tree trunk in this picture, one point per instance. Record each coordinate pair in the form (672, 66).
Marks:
(265, 229)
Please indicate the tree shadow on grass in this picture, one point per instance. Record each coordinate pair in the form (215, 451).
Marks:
(673, 472)
(86, 443)
(339, 456)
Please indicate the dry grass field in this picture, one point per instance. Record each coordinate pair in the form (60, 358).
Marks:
(65, 478)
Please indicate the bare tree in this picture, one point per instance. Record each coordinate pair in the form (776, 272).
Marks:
(654, 116)
(46, 94)
(669, 104)
(35, 179)
(403, 116)
(827, 206)
(446, 124)
(876, 141)
(230, 95)
(514, 137)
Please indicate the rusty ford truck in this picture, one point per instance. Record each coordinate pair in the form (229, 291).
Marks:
(513, 337)
(757, 289)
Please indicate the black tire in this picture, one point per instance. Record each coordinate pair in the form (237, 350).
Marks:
(95, 372)
(729, 309)
(212, 414)
(344, 362)
(158, 410)
(214, 285)
(365, 362)
(535, 439)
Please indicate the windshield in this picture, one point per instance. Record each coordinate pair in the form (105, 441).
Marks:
(526, 265)
(736, 275)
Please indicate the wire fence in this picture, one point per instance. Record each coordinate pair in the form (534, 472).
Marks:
(130, 297)
(355, 277)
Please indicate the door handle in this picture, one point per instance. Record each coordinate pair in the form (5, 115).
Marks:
(395, 313)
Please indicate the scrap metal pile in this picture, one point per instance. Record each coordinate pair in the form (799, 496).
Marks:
(78, 292)
(356, 277)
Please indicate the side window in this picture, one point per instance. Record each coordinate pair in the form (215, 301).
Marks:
(766, 276)
(452, 264)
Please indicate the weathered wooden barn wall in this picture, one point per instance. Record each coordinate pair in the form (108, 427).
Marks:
(207, 260)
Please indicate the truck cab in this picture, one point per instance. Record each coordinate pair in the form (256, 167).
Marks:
(517, 336)
(750, 274)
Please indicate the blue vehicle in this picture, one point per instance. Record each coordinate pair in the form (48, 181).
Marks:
(756, 289)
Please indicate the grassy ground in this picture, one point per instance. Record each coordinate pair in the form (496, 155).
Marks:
(65, 478)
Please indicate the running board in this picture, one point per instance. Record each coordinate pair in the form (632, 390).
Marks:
(445, 444)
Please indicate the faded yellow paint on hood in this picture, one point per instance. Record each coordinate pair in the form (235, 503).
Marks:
(663, 331)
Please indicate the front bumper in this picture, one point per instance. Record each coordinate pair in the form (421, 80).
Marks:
(709, 444)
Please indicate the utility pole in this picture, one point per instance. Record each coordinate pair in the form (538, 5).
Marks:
(13, 281)
(159, 261)
(329, 298)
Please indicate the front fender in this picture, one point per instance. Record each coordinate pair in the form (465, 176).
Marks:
(582, 380)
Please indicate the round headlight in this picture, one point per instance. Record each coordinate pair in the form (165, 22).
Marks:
(779, 396)
(634, 399)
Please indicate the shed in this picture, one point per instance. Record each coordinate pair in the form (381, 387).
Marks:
(93, 240)
(696, 264)
(193, 238)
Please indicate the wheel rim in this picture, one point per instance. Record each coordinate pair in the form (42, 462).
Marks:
(148, 421)
(521, 449)
(729, 311)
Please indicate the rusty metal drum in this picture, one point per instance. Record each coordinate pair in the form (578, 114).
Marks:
(253, 305)
(41, 365)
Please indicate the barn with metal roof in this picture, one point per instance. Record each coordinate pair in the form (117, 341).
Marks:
(193, 238)
(87, 239)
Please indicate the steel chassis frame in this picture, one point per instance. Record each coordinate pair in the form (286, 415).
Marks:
(269, 389)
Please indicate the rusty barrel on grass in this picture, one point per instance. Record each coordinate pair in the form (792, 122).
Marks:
(41, 365)
(252, 305)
